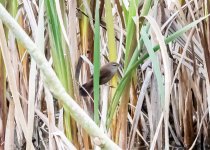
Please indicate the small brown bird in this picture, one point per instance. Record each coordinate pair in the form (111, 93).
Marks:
(106, 73)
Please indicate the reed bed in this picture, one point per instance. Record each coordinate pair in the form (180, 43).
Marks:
(158, 99)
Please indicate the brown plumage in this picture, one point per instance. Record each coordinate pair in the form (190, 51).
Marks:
(106, 73)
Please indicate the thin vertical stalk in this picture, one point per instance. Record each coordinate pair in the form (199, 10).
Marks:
(96, 63)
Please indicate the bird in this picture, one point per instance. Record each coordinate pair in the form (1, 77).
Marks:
(106, 73)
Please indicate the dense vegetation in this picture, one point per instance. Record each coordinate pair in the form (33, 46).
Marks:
(158, 99)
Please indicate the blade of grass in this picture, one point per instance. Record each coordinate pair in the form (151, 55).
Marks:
(39, 40)
(167, 72)
(61, 58)
(31, 17)
(111, 36)
(10, 127)
(155, 62)
(96, 63)
(110, 31)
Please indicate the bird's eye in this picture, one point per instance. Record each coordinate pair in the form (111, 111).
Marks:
(115, 64)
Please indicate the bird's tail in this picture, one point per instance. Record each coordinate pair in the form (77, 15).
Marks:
(86, 89)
